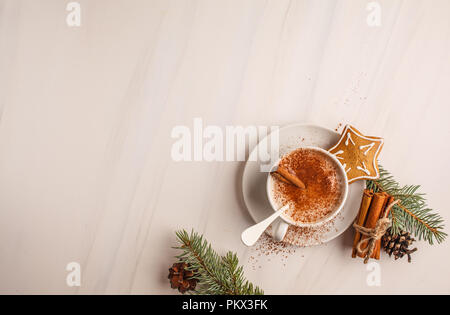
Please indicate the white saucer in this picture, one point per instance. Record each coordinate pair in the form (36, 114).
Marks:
(254, 184)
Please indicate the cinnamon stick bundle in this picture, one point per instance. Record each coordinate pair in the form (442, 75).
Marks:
(376, 207)
(364, 208)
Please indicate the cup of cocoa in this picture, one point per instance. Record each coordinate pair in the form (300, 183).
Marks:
(312, 182)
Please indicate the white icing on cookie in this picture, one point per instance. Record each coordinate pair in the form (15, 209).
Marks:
(345, 165)
(338, 153)
(368, 146)
(365, 170)
(349, 137)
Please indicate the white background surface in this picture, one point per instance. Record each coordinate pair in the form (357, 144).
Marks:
(86, 115)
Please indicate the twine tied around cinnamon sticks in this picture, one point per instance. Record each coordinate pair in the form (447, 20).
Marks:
(373, 234)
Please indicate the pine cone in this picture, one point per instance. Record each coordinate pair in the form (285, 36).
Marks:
(181, 278)
(397, 245)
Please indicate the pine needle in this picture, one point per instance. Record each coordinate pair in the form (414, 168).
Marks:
(412, 213)
(217, 275)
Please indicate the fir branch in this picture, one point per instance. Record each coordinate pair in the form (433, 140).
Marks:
(218, 275)
(412, 213)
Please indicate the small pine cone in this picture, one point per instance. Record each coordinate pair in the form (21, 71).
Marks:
(397, 245)
(181, 277)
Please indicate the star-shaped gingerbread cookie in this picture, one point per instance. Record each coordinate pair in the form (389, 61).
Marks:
(358, 154)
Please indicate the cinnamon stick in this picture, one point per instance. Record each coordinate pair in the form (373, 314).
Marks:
(377, 248)
(388, 202)
(280, 178)
(375, 209)
(293, 179)
(363, 209)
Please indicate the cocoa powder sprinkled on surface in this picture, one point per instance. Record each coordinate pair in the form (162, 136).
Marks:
(308, 236)
(296, 237)
(267, 250)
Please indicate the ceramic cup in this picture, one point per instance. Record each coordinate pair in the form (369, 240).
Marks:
(281, 225)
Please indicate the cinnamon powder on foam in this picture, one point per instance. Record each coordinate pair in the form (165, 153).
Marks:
(323, 190)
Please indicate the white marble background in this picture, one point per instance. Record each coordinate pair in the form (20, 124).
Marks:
(86, 115)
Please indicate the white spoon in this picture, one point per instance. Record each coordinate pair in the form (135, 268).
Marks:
(252, 234)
